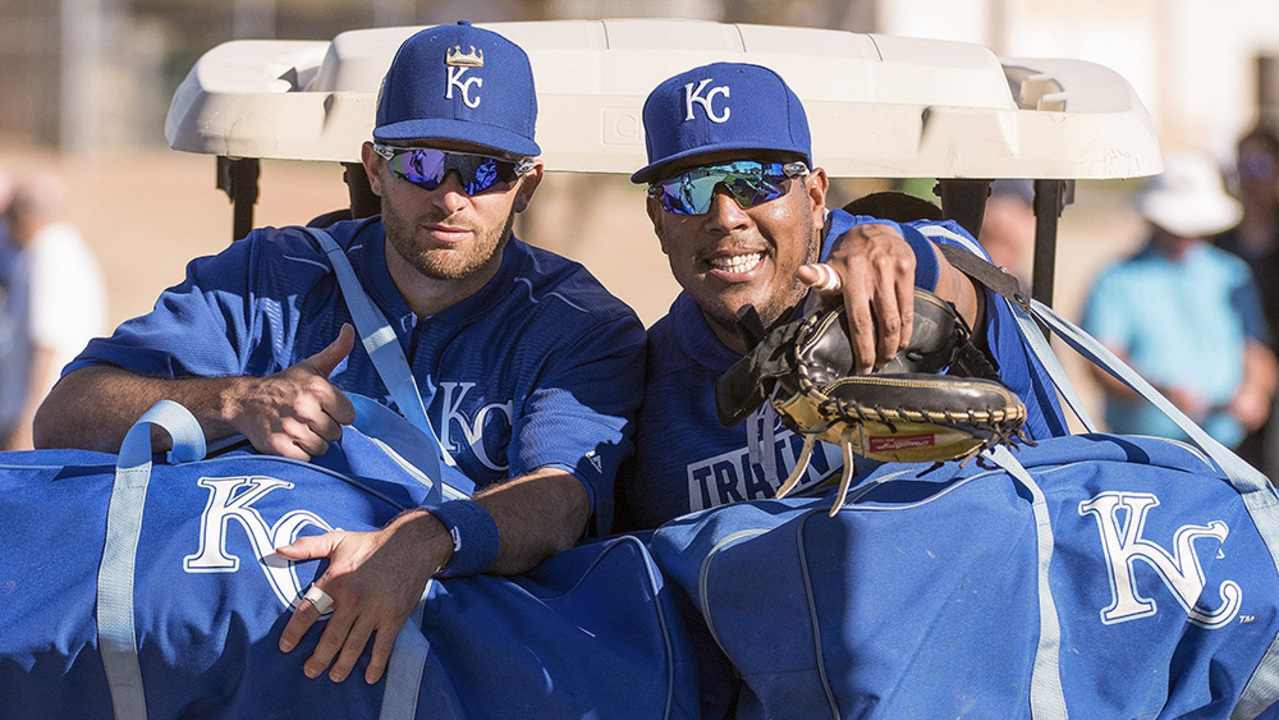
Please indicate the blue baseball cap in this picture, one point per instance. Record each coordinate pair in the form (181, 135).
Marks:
(459, 82)
(721, 106)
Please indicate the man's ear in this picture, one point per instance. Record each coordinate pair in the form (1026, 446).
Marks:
(658, 218)
(372, 167)
(528, 184)
(816, 183)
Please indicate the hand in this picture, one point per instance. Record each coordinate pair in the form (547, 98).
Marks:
(296, 412)
(1250, 407)
(375, 579)
(875, 273)
(1188, 402)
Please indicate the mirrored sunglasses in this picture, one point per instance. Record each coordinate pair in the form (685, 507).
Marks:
(427, 168)
(750, 183)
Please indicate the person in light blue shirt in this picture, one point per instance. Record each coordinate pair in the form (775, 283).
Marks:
(1185, 314)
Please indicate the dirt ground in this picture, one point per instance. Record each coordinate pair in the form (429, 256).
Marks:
(147, 212)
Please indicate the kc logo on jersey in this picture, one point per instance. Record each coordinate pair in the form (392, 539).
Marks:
(1180, 571)
(457, 64)
(231, 501)
(473, 425)
(705, 98)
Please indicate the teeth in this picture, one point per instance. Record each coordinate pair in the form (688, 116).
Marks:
(737, 263)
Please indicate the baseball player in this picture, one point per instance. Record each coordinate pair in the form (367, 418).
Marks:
(740, 212)
(529, 370)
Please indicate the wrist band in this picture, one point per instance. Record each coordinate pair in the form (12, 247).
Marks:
(927, 270)
(474, 534)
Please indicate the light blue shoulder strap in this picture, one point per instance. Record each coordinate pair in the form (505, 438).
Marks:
(1258, 496)
(1047, 697)
(382, 346)
(407, 665)
(1039, 345)
(117, 637)
(1034, 338)
(1243, 476)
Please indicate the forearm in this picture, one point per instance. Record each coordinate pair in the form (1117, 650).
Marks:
(1260, 370)
(537, 515)
(92, 408)
(959, 289)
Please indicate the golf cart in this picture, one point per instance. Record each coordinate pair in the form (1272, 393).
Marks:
(878, 106)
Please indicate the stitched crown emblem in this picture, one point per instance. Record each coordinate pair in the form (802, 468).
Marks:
(455, 57)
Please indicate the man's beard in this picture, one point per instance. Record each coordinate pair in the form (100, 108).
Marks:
(443, 263)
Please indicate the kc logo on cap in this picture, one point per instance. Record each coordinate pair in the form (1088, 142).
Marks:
(691, 114)
(695, 96)
(456, 64)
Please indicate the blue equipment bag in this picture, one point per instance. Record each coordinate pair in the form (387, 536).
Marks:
(133, 589)
(1092, 576)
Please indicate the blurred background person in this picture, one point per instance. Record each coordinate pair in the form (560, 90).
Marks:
(1185, 314)
(1256, 240)
(67, 303)
(1008, 228)
(15, 341)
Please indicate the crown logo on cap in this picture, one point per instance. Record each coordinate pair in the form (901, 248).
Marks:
(455, 57)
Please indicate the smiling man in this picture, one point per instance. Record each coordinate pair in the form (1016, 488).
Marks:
(528, 369)
(740, 211)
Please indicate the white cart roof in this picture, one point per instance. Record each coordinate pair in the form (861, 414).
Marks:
(878, 106)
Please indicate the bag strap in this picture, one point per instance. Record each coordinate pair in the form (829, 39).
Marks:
(407, 664)
(1047, 697)
(1006, 286)
(383, 348)
(117, 636)
(1242, 476)
(402, 441)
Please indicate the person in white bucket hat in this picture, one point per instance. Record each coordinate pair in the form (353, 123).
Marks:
(1185, 314)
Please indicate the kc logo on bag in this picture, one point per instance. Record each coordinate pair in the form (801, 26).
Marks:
(230, 503)
(1180, 571)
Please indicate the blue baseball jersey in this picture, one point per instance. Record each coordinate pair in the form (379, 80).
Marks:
(541, 367)
(687, 461)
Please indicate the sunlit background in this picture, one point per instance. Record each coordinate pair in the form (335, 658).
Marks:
(85, 86)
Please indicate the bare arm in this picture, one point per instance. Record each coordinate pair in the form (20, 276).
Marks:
(1186, 399)
(876, 269)
(294, 413)
(1251, 402)
(376, 578)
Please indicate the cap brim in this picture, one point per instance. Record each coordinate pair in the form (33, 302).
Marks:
(489, 136)
(650, 172)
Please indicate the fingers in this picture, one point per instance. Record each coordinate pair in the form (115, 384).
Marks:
(303, 618)
(873, 267)
(820, 277)
(309, 547)
(297, 412)
(356, 638)
(383, 642)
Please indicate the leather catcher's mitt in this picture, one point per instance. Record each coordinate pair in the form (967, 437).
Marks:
(904, 412)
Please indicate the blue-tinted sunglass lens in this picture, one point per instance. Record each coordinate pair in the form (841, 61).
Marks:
(423, 167)
(750, 184)
(427, 169)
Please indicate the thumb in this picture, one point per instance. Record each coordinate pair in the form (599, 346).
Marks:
(309, 547)
(819, 276)
(324, 362)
